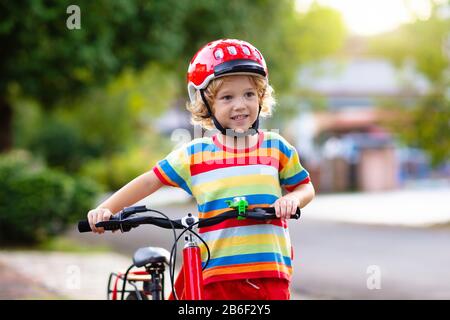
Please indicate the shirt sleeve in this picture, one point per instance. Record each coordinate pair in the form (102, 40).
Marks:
(292, 173)
(174, 170)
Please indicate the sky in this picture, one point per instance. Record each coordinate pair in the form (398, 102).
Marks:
(369, 17)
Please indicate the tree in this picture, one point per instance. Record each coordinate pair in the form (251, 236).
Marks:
(425, 42)
(42, 58)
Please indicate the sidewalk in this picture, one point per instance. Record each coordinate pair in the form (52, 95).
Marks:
(64, 275)
(16, 286)
(58, 275)
(411, 208)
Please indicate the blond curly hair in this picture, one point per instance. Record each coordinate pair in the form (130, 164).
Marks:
(199, 112)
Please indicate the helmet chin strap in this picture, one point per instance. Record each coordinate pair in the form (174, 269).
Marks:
(228, 131)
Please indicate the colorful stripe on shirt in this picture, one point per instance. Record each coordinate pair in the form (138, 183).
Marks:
(212, 174)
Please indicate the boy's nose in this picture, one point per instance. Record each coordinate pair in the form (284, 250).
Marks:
(240, 103)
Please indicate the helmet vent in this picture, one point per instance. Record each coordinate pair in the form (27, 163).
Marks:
(259, 53)
(232, 50)
(218, 54)
(246, 50)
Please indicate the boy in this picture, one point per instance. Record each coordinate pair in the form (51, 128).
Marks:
(228, 89)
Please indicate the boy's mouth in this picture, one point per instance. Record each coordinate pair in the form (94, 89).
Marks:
(240, 117)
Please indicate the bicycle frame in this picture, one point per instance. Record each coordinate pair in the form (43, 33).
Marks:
(188, 285)
(113, 293)
(190, 279)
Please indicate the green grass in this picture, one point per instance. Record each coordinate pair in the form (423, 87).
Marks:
(61, 243)
(67, 245)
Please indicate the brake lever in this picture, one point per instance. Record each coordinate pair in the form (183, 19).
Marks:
(128, 211)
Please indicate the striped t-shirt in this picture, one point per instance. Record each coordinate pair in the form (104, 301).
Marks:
(213, 173)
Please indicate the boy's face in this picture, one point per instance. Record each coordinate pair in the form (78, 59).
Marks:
(236, 103)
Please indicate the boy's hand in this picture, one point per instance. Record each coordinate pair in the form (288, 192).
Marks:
(97, 215)
(286, 206)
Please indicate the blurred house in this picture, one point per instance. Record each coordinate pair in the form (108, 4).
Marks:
(174, 118)
(344, 146)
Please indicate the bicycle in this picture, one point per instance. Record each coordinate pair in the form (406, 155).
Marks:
(155, 259)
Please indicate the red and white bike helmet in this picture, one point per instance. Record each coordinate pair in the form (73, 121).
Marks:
(222, 57)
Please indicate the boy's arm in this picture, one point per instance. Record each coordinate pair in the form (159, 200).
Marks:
(137, 189)
(304, 193)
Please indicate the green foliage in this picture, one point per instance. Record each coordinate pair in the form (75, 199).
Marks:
(49, 62)
(64, 244)
(99, 126)
(27, 118)
(118, 169)
(423, 123)
(423, 43)
(304, 38)
(56, 140)
(59, 144)
(430, 127)
(85, 193)
(37, 202)
(111, 119)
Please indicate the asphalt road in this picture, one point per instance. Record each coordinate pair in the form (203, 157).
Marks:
(335, 260)
(353, 261)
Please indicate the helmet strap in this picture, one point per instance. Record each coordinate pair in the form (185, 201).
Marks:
(227, 131)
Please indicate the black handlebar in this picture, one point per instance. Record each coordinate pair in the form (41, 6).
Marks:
(128, 218)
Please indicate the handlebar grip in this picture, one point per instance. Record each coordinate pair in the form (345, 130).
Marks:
(84, 226)
(269, 213)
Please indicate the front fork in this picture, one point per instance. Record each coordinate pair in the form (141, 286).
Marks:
(192, 266)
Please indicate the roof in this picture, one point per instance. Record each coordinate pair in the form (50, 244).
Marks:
(362, 77)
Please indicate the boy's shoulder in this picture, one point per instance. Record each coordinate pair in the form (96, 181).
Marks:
(201, 140)
(275, 136)
(195, 142)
